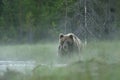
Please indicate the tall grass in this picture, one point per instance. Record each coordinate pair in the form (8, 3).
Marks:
(100, 62)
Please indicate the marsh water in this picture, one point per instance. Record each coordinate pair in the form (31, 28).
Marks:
(23, 66)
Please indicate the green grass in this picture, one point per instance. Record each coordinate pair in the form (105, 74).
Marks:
(40, 52)
(100, 62)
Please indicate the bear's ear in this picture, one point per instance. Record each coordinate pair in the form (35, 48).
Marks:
(71, 36)
(61, 35)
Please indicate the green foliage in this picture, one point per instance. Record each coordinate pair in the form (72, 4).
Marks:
(34, 20)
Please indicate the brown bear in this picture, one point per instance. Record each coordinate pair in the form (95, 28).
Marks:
(69, 44)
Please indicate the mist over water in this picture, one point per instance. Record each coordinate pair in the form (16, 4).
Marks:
(29, 39)
(27, 57)
(41, 59)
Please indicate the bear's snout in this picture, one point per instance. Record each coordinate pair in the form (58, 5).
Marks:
(65, 47)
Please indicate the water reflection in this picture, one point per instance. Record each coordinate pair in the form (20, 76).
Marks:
(17, 65)
(22, 66)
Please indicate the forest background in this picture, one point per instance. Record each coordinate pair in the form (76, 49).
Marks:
(32, 21)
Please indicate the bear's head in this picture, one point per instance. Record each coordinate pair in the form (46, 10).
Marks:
(66, 43)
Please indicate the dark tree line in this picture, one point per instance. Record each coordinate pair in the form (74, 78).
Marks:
(35, 20)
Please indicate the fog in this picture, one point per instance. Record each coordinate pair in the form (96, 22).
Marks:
(29, 39)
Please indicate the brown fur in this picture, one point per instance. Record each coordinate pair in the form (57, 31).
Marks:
(69, 44)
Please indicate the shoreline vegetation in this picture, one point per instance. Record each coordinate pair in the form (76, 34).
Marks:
(100, 62)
